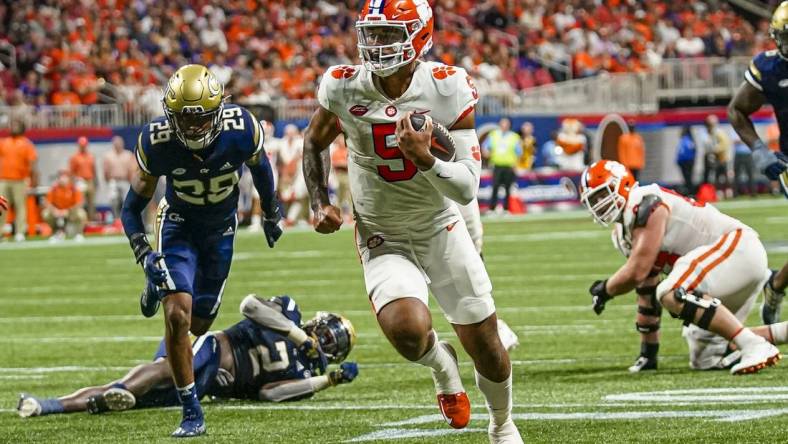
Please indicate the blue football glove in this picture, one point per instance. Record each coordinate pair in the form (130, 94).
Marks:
(767, 161)
(347, 372)
(155, 274)
(311, 348)
(272, 230)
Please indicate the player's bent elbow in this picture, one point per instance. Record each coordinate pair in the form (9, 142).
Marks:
(641, 272)
(466, 197)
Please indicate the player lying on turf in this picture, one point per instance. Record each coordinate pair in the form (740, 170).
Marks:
(714, 258)
(269, 356)
(707, 352)
(764, 82)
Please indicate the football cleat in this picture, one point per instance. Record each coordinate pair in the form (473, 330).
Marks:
(756, 358)
(190, 427)
(149, 301)
(455, 407)
(772, 299)
(115, 399)
(28, 406)
(506, 433)
(643, 363)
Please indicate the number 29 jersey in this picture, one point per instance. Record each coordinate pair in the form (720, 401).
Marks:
(204, 181)
(389, 194)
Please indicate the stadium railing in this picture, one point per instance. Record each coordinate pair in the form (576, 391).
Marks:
(677, 79)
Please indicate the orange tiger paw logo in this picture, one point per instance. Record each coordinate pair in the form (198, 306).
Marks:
(442, 72)
(343, 72)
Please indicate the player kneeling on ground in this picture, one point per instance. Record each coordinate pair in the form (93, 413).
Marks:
(269, 356)
(718, 264)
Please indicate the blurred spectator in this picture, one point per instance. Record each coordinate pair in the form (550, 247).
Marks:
(632, 150)
(83, 168)
(3, 205)
(63, 209)
(773, 136)
(339, 165)
(742, 166)
(547, 152)
(292, 184)
(503, 147)
(17, 173)
(685, 159)
(690, 45)
(717, 153)
(119, 164)
(280, 50)
(526, 160)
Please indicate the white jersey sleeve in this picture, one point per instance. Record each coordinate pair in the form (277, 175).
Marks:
(457, 94)
(331, 92)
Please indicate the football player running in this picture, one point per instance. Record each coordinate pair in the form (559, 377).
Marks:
(764, 82)
(718, 264)
(269, 356)
(200, 146)
(410, 236)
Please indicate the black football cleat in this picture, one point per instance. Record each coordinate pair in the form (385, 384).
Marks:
(643, 363)
(149, 301)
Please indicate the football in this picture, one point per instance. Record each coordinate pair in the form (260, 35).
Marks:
(441, 143)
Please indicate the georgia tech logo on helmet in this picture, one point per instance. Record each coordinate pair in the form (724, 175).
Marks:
(213, 85)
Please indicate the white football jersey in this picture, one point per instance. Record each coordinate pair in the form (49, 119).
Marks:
(690, 224)
(389, 194)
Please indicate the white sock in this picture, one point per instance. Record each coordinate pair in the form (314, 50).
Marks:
(779, 333)
(444, 368)
(746, 338)
(498, 396)
(255, 220)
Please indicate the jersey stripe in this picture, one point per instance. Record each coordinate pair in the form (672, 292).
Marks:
(717, 261)
(142, 160)
(752, 81)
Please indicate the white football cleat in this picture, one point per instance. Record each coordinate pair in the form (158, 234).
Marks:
(508, 337)
(506, 433)
(756, 357)
(28, 406)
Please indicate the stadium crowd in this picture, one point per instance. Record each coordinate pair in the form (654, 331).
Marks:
(75, 52)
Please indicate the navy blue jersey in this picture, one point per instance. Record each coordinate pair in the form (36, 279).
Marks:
(203, 181)
(768, 72)
(263, 355)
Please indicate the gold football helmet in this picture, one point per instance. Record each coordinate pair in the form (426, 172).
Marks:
(193, 103)
(778, 29)
(334, 332)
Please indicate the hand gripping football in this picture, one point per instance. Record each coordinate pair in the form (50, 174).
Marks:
(441, 143)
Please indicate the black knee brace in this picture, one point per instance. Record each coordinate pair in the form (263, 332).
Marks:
(654, 310)
(693, 303)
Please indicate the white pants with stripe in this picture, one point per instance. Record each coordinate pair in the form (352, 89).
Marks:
(733, 269)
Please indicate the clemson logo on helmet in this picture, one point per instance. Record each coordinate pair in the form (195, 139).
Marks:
(343, 72)
(442, 72)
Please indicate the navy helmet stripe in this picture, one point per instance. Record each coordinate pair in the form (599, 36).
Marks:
(376, 6)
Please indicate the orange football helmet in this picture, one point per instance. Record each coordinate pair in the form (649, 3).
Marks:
(604, 190)
(393, 33)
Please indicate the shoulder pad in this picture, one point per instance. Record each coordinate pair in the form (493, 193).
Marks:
(258, 138)
(340, 72)
(447, 78)
(645, 208)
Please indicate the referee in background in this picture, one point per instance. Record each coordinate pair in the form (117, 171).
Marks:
(503, 147)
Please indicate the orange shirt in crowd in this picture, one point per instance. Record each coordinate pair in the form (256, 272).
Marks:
(82, 165)
(17, 155)
(65, 98)
(64, 197)
(632, 151)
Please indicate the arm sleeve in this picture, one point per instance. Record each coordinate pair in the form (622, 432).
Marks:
(131, 213)
(753, 74)
(458, 180)
(295, 389)
(268, 314)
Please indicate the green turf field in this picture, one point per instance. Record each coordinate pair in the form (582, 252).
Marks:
(69, 317)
